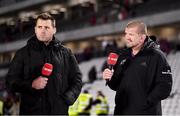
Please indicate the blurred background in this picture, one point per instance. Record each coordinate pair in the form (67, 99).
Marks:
(92, 29)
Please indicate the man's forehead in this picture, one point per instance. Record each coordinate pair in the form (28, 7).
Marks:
(131, 29)
(44, 22)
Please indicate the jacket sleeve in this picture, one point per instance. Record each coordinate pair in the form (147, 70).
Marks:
(119, 68)
(163, 81)
(74, 80)
(15, 81)
(113, 83)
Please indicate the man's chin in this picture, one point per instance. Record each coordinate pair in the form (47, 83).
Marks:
(43, 40)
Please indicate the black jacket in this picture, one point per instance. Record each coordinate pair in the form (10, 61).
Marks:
(64, 84)
(141, 81)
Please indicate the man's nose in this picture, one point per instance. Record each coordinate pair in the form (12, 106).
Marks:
(43, 30)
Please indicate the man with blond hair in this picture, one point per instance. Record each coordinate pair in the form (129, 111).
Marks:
(142, 76)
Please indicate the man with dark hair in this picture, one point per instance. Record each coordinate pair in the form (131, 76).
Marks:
(40, 94)
(142, 76)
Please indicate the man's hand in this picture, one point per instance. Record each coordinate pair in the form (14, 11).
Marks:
(107, 74)
(39, 83)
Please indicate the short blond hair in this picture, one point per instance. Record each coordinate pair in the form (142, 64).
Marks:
(141, 27)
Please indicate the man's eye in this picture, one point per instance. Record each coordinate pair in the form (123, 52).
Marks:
(131, 34)
(46, 27)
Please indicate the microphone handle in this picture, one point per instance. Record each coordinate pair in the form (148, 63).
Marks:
(45, 76)
(111, 68)
(107, 82)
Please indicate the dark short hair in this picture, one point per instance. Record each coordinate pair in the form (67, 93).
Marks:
(46, 16)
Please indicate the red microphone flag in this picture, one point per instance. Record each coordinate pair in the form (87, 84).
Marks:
(47, 69)
(112, 59)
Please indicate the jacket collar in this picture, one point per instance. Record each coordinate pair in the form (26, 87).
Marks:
(150, 44)
(35, 43)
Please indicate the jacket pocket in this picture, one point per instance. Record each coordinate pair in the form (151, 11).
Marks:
(61, 88)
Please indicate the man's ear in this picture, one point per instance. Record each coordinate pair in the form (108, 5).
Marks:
(35, 29)
(143, 37)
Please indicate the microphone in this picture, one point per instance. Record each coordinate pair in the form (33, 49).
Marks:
(111, 61)
(47, 69)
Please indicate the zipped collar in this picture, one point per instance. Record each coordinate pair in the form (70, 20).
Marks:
(35, 43)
